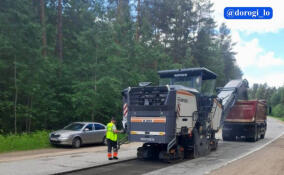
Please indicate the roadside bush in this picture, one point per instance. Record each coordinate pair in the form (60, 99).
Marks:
(278, 110)
(35, 140)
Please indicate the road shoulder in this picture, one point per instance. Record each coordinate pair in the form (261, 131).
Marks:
(266, 161)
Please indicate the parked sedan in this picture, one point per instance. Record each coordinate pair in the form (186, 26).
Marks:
(79, 133)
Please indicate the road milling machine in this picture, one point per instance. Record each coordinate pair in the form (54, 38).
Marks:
(180, 117)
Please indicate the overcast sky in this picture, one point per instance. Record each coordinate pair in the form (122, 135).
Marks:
(260, 43)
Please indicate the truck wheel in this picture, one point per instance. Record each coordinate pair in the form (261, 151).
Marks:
(226, 138)
(76, 143)
(262, 136)
(229, 138)
(256, 134)
(254, 138)
(263, 132)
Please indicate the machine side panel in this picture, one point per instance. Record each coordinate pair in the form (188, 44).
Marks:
(186, 105)
(216, 115)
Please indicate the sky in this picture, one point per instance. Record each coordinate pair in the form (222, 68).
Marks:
(260, 43)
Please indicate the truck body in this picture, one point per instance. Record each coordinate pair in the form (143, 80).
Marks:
(179, 117)
(246, 118)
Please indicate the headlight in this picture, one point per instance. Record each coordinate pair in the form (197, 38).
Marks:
(64, 137)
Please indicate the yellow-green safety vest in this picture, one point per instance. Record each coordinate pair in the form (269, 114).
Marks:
(110, 134)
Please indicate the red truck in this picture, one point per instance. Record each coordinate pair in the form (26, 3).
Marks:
(246, 118)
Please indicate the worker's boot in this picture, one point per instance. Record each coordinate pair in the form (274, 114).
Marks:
(115, 156)
(109, 156)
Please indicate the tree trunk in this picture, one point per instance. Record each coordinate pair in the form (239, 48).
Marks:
(31, 115)
(43, 30)
(93, 116)
(16, 95)
(58, 48)
(27, 117)
(138, 22)
(118, 10)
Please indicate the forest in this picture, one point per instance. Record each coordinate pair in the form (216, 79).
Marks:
(69, 60)
(273, 96)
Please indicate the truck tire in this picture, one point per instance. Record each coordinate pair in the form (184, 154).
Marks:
(228, 137)
(254, 138)
(262, 136)
(263, 133)
(257, 134)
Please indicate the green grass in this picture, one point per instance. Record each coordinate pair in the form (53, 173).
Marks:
(35, 140)
(120, 136)
(19, 142)
(279, 118)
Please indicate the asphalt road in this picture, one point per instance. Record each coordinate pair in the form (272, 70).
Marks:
(226, 153)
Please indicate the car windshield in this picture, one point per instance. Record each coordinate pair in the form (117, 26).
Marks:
(74, 127)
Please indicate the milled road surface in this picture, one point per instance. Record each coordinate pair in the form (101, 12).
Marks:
(226, 153)
(267, 161)
(130, 167)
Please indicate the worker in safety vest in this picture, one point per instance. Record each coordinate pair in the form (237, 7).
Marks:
(111, 136)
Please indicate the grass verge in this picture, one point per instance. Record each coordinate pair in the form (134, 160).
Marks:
(20, 142)
(279, 118)
(120, 136)
(35, 140)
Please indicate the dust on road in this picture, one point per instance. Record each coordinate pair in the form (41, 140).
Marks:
(32, 154)
(267, 161)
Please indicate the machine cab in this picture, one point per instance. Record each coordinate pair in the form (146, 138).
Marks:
(200, 79)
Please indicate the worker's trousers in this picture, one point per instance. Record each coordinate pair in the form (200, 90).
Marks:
(111, 145)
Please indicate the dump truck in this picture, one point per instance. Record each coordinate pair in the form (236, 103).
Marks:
(179, 117)
(246, 118)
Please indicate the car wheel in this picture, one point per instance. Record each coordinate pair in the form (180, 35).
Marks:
(76, 143)
(104, 142)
